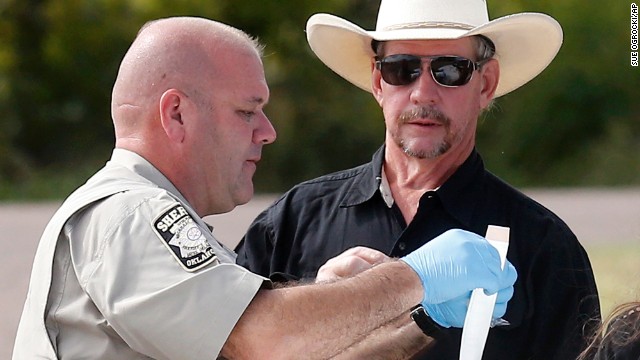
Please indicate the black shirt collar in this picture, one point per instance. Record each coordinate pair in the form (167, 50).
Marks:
(366, 184)
(464, 184)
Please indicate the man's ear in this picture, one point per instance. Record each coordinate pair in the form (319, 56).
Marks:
(490, 77)
(172, 107)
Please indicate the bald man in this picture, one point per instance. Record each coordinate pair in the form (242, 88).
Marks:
(127, 269)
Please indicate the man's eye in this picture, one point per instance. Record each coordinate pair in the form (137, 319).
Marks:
(247, 115)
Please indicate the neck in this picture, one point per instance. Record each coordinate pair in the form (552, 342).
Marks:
(409, 177)
(168, 161)
(411, 173)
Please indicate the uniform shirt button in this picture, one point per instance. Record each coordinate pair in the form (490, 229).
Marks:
(402, 246)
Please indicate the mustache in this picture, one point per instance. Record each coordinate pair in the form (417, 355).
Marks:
(424, 112)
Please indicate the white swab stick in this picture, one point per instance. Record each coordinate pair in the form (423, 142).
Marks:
(478, 319)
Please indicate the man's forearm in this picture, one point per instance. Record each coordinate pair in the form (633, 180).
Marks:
(319, 321)
(397, 340)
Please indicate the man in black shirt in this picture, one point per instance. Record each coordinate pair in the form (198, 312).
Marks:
(434, 66)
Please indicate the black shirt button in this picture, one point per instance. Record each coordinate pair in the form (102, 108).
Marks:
(402, 246)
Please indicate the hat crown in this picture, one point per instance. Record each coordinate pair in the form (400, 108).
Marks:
(404, 14)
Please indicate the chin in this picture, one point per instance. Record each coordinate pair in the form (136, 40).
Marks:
(244, 196)
(425, 152)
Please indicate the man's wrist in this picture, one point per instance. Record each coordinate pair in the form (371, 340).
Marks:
(416, 278)
(425, 323)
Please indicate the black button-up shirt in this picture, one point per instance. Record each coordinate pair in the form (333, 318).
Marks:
(555, 294)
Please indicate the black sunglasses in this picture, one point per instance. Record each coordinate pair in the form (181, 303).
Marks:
(448, 70)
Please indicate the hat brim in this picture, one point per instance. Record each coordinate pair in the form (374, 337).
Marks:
(526, 43)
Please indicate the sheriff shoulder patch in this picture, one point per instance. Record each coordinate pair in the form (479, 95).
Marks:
(184, 239)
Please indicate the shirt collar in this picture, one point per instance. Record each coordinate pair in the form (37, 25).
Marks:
(466, 183)
(367, 183)
(385, 190)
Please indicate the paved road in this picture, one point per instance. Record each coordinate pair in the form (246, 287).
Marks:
(594, 215)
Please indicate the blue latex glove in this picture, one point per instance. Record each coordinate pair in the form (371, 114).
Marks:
(453, 312)
(451, 266)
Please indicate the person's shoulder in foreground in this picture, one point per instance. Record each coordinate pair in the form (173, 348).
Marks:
(618, 338)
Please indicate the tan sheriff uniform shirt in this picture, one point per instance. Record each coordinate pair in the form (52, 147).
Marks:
(127, 270)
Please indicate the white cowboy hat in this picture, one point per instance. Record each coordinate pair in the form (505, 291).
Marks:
(525, 43)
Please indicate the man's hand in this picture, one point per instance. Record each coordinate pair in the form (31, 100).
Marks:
(349, 263)
(451, 266)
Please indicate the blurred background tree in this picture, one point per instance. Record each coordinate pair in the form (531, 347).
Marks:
(577, 124)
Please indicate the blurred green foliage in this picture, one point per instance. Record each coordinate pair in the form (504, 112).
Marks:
(577, 124)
